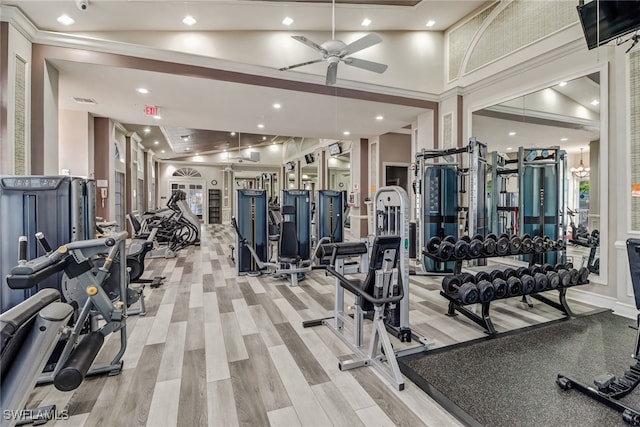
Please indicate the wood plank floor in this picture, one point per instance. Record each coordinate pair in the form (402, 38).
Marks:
(219, 350)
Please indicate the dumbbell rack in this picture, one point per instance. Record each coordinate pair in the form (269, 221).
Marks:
(484, 319)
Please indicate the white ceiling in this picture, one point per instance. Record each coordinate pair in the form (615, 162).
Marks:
(215, 15)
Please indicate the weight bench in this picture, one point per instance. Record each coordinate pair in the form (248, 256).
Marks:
(609, 388)
(373, 294)
(29, 333)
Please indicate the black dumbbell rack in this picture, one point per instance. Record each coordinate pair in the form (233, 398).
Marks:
(484, 319)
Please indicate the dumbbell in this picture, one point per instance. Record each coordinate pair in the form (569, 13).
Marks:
(466, 292)
(526, 244)
(476, 247)
(528, 283)
(443, 249)
(552, 276)
(502, 243)
(496, 279)
(583, 275)
(521, 271)
(514, 286)
(461, 248)
(509, 272)
(515, 245)
(486, 290)
(538, 244)
(540, 282)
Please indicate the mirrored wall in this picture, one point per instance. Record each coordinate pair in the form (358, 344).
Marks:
(339, 172)
(567, 115)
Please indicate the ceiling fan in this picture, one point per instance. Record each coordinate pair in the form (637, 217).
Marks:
(254, 156)
(334, 51)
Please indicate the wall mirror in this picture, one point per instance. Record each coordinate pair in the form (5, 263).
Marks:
(339, 172)
(567, 115)
(310, 174)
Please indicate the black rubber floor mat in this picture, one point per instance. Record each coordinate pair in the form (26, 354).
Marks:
(510, 380)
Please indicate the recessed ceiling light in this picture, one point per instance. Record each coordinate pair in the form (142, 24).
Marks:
(512, 133)
(142, 90)
(264, 138)
(277, 106)
(189, 20)
(564, 139)
(431, 23)
(562, 84)
(65, 20)
(233, 134)
(84, 100)
(287, 21)
(595, 102)
(509, 148)
(147, 130)
(157, 117)
(156, 142)
(366, 22)
(224, 151)
(197, 154)
(249, 146)
(274, 143)
(260, 125)
(379, 117)
(162, 151)
(187, 149)
(346, 133)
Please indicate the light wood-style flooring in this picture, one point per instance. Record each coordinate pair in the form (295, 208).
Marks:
(219, 350)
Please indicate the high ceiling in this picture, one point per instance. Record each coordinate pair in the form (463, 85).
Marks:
(200, 114)
(256, 15)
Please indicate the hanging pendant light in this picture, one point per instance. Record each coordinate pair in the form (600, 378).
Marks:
(580, 172)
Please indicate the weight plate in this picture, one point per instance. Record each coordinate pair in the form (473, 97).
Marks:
(433, 244)
(445, 251)
(461, 249)
(515, 245)
(466, 277)
(488, 247)
(583, 275)
(450, 239)
(492, 236)
(554, 279)
(500, 287)
(528, 284)
(468, 293)
(483, 275)
(450, 284)
(478, 237)
(496, 274)
(475, 248)
(502, 246)
(487, 293)
(514, 286)
(540, 282)
(465, 238)
(509, 272)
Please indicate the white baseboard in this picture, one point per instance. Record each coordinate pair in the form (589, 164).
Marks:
(598, 300)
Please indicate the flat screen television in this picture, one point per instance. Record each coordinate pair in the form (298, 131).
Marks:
(309, 158)
(335, 149)
(610, 18)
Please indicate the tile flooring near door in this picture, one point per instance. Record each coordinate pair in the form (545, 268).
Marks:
(219, 350)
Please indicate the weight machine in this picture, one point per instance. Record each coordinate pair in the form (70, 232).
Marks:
(61, 207)
(440, 180)
(250, 225)
(543, 196)
(391, 210)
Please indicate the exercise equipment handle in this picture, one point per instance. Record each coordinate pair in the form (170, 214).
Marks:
(22, 250)
(348, 285)
(43, 242)
(235, 226)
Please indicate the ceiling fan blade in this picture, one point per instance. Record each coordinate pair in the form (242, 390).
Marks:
(332, 72)
(362, 43)
(300, 65)
(313, 45)
(376, 67)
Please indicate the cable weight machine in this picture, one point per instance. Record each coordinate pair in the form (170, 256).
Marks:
(443, 185)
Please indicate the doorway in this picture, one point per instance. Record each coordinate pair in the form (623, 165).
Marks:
(397, 175)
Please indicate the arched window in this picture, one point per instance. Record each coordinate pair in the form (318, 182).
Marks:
(187, 172)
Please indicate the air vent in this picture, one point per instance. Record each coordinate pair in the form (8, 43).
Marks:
(84, 100)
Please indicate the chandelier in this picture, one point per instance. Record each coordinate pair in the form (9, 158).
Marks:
(580, 171)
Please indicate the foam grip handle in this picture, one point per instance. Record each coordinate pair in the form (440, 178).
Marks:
(43, 241)
(22, 249)
(74, 370)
